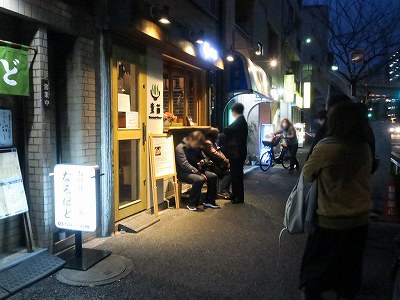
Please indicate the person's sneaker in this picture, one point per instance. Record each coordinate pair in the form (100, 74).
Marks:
(226, 196)
(211, 205)
(191, 207)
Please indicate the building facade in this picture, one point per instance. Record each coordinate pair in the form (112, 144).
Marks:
(65, 127)
(114, 69)
(269, 35)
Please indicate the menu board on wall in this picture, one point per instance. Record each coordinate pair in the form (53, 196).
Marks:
(12, 192)
(6, 139)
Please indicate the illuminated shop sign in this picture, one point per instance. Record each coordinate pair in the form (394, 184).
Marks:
(307, 95)
(208, 52)
(299, 100)
(289, 88)
(75, 194)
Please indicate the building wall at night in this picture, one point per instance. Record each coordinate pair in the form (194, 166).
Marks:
(277, 26)
(35, 20)
(316, 55)
(69, 40)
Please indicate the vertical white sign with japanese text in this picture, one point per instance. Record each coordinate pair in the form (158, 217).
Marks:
(75, 194)
(6, 134)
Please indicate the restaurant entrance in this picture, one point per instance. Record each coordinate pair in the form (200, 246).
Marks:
(128, 81)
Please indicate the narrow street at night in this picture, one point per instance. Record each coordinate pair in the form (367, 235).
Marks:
(200, 149)
(231, 253)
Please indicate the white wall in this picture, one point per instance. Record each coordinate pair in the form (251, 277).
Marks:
(286, 111)
(154, 76)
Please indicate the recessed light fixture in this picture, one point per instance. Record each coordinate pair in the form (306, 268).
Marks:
(230, 58)
(161, 14)
(197, 36)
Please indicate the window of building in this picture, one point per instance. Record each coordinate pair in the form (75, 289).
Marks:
(273, 42)
(210, 6)
(243, 14)
(183, 94)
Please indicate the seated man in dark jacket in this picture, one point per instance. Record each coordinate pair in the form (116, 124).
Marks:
(189, 161)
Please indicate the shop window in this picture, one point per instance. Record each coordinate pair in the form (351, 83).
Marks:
(273, 45)
(182, 93)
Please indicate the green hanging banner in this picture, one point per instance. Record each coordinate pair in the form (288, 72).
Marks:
(14, 71)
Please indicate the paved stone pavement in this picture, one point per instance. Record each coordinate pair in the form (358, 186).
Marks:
(231, 253)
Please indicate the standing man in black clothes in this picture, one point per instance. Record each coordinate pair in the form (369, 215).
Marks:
(322, 118)
(235, 149)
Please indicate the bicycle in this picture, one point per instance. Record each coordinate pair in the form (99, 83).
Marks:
(268, 159)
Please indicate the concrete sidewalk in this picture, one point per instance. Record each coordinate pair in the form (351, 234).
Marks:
(228, 253)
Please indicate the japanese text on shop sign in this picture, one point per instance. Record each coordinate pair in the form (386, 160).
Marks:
(75, 197)
(155, 107)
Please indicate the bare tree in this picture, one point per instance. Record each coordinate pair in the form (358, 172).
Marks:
(369, 28)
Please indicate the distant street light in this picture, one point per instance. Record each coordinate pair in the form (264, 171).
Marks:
(335, 68)
(308, 40)
(273, 63)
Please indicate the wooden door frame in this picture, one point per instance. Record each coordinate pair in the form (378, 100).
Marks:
(122, 54)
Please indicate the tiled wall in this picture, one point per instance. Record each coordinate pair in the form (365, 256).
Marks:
(80, 113)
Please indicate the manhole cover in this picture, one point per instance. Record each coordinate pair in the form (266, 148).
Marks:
(110, 269)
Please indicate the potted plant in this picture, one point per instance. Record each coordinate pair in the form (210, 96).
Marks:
(253, 159)
(169, 118)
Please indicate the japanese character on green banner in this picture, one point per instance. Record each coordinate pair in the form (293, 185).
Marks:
(14, 71)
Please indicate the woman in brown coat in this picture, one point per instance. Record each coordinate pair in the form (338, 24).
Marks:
(221, 163)
(333, 256)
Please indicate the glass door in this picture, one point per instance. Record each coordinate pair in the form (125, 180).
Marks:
(129, 109)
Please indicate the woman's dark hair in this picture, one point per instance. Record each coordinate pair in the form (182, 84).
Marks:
(287, 121)
(238, 108)
(322, 115)
(212, 134)
(336, 99)
(346, 122)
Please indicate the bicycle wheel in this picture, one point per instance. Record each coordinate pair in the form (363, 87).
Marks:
(265, 161)
(286, 161)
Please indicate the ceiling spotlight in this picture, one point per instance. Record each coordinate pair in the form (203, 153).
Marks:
(273, 63)
(161, 14)
(230, 58)
(198, 37)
